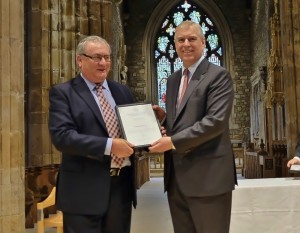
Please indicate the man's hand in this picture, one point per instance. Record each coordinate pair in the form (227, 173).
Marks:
(163, 131)
(293, 161)
(121, 148)
(161, 145)
(160, 112)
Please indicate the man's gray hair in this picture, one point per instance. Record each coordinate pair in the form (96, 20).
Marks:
(188, 23)
(96, 39)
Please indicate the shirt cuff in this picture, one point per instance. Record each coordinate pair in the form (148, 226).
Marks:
(296, 157)
(108, 146)
(173, 147)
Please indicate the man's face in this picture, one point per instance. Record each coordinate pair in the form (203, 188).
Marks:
(95, 62)
(189, 45)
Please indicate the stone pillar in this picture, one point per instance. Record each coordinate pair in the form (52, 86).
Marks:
(290, 37)
(38, 65)
(12, 197)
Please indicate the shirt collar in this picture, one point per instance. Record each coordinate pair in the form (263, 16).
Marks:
(92, 85)
(193, 67)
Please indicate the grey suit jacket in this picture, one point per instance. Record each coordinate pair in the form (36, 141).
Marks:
(203, 159)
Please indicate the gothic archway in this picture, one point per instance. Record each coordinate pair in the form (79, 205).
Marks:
(153, 27)
(166, 61)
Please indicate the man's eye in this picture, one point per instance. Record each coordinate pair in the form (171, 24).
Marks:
(192, 39)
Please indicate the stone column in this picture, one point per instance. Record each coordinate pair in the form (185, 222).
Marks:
(38, 64)
(12, 195)
(290, 37)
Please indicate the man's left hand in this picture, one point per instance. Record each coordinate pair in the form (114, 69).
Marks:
(161, 145)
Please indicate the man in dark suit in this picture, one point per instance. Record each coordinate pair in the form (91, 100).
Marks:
(94, 193)
(199, 167)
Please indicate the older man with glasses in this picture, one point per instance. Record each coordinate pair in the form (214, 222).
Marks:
(95, 185)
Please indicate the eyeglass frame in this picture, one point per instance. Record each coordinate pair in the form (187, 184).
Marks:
(98, 58)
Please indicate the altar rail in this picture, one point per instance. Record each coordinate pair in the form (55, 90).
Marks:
(267, 164)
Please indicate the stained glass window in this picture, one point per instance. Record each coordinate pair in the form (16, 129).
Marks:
(165, 55)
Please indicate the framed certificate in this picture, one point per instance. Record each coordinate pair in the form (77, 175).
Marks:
(139, 124)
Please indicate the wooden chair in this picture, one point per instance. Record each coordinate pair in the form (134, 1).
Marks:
(54, 220)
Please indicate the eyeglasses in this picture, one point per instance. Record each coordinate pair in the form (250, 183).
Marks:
(98, 58)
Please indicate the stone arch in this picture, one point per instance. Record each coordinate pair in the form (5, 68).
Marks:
(153, 26)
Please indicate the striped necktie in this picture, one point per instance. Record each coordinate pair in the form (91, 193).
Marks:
(111, 122)
(185, 77)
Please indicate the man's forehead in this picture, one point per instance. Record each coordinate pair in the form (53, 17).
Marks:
(186, 32)
(186, 35)
(97, 45)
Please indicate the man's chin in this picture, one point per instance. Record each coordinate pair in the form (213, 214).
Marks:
(188, 61)
(102, 75)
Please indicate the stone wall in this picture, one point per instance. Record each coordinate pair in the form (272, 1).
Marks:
(260, 31)
(138, 14)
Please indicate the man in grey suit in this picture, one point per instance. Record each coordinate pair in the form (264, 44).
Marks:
(199, 167)
(94, 192)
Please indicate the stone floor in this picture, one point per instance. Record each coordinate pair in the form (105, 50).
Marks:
(152, 213)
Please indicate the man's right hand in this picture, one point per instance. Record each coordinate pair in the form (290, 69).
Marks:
(121, 148)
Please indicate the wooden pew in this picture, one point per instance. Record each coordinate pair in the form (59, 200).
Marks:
(251, 166)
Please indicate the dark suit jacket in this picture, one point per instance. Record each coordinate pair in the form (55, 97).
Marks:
(203, 159)
(78, 130)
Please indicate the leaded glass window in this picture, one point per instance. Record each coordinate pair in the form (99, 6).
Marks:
(166, 59)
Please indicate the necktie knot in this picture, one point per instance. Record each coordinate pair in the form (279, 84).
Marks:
(186, 73)
(99, 86)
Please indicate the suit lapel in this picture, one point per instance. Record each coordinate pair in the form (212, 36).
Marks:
(195, 81)
(175, 89)
(83, 91)
(116, 94)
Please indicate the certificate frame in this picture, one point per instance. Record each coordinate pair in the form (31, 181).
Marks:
(139, 124)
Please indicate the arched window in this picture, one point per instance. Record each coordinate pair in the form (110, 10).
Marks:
(166, 59)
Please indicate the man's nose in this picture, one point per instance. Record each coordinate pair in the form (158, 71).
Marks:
(186, 41)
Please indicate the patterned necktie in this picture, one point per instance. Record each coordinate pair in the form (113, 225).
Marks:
(184, 86)
(111, 122)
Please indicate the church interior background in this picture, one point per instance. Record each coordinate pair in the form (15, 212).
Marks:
(258, 41)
